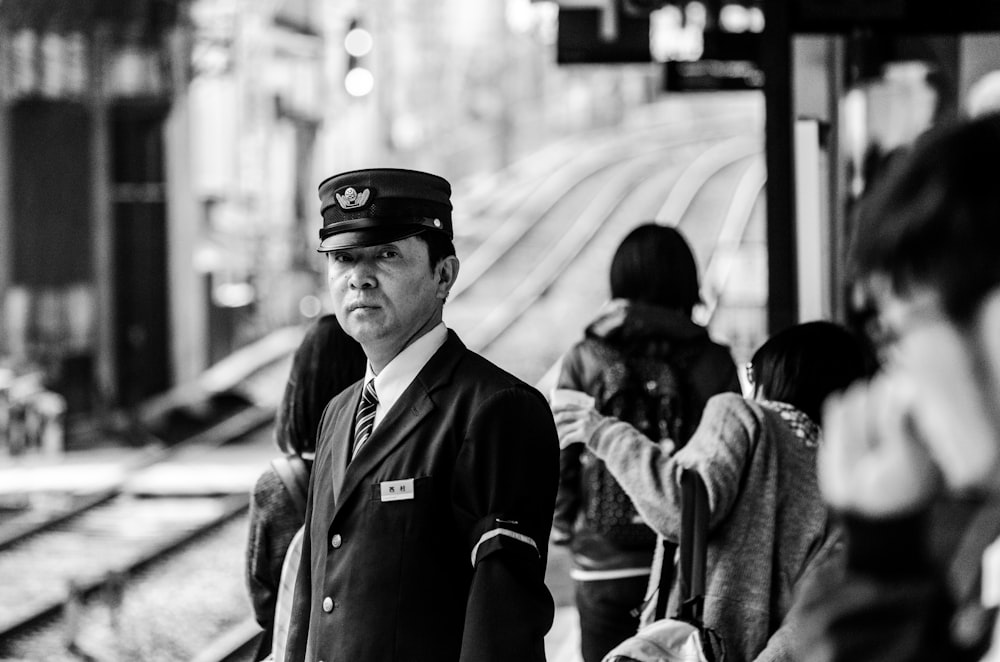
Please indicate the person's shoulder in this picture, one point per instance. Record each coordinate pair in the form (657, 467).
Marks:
(496, 377)
(267, 482)
(584, 346)
(733, 401)
(489, 378)
(734, 405)
(268, 493)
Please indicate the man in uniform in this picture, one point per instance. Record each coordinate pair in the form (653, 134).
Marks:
(435, 476)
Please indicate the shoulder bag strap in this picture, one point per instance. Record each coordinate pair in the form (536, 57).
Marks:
(692, 553)
(694, 534)
(291, 469)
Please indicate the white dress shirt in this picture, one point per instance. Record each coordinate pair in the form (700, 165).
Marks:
(397, 375)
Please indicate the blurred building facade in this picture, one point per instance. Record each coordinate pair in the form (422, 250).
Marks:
(86, 90)
(159, 161)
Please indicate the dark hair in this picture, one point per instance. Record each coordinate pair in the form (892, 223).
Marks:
(326, 362)
(934, 219)
(439, 246)
(654, 264)
(804, 364)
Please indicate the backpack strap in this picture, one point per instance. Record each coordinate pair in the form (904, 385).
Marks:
(292, 471)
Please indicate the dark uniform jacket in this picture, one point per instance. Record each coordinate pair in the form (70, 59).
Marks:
(431, 544)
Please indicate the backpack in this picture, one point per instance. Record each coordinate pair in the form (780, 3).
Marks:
(644, 391)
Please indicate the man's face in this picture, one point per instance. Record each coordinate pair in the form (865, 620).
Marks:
(953, 374)
(387, 295)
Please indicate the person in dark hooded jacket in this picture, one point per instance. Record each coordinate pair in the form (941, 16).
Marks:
(654, 289)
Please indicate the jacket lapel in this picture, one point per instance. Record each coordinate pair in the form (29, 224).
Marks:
(412, 407)
(343, 429)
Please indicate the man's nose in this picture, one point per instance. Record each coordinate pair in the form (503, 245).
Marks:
(362, 276)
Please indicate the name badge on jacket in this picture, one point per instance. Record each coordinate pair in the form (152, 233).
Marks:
(396, 490)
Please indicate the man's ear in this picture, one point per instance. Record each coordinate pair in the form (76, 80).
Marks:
(447, 273)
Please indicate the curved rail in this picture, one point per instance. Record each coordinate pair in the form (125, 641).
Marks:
(533, 204)
(748, 190)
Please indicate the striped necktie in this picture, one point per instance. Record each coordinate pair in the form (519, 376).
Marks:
(365, 419)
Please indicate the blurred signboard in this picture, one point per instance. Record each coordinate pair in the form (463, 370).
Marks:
(708, 75)
(856, 10)
(601, 35)
(719, 45)
(729, 61)
(927, 16)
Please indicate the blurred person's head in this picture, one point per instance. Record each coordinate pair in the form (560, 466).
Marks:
(927, 253)
(655, 265)
(932, 225)
(326, 362)
(806, 363)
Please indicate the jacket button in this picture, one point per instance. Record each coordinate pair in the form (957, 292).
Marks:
(336, 540)
(328, 604)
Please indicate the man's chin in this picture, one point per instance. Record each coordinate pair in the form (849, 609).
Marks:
(363, 328)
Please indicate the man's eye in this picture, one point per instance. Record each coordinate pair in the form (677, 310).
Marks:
(341, 257)
(390, 253)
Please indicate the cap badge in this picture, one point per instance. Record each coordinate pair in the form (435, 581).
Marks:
(351, 199)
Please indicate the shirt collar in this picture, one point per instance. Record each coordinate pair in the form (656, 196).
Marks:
(397, 375)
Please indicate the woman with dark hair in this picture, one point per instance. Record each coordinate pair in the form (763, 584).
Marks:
(757, 458)
(644, 336)
(326, 362)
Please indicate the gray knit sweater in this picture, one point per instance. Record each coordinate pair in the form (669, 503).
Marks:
(767, 522)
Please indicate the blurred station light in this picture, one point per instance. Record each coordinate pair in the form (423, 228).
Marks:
(310, 306)
(741, 18)
(673, 38)
(358, 41)
(359, 80)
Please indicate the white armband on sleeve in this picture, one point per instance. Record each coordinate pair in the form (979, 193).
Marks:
(495, 539)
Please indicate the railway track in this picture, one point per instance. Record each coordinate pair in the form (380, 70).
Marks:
(532, 236)
(54, 560)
